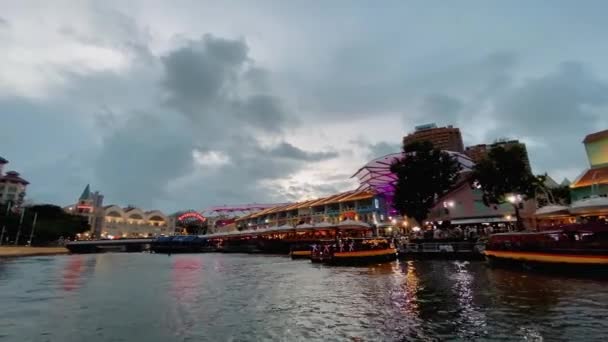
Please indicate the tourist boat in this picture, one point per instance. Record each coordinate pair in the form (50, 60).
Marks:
(301, 250)
(322, 251)
(354, 251)
(577, 247)
(308, 235)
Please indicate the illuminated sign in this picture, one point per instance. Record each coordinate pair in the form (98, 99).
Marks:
(191, 215)
(349, 214)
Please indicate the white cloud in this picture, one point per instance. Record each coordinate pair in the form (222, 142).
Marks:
(210, 158)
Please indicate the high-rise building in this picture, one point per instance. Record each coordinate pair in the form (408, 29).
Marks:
(444, 138)
(480, 151)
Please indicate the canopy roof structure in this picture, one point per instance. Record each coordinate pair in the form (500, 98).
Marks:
(238, 210)
(376, 175)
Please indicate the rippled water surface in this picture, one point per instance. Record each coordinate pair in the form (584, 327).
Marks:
(222, 297)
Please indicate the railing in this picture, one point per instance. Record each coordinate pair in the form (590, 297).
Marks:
(443, 247)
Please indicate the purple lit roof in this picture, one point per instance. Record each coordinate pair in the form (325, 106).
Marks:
(376, 175)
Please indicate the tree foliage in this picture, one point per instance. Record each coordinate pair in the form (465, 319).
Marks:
(504, 171)
(547, 195)
(423, 175)
(561, 195)
(51, 224)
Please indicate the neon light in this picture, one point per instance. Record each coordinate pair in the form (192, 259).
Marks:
(192, 215)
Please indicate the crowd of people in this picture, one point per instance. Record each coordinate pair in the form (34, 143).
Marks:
(459, 232)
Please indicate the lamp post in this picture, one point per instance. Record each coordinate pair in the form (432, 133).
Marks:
(515, 200)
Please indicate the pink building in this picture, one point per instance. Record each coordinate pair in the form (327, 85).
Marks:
(464, 206)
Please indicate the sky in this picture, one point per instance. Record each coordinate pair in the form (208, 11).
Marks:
(188, 104)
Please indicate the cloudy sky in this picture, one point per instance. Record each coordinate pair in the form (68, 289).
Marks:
(188, 104)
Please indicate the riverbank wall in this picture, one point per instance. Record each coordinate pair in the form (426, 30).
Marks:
(22, 251)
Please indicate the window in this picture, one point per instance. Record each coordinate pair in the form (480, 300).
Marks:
(10, 197)
(12, 189)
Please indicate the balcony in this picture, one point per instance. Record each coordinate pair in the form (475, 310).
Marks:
(365, 209)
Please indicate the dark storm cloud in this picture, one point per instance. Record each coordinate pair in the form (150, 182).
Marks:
(555, 111)
(35, 141)
(202, 73)
(440, 106)
(286, 150)
(262, 111)
(558, 102)
(349, 90)
(210, 106)
(212, 81)
(138, 160)
(86, 118)
(378, 149)
(552, 112)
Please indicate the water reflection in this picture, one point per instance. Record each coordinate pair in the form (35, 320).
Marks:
(470, 322)
(221, 297)
(186, 279)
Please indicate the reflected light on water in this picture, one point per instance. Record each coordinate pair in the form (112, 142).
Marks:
(470, 319)
(225, 297)
(186, 279)
(411, 290)
(71, 276)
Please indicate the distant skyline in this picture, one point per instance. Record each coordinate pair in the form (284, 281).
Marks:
(189, 104)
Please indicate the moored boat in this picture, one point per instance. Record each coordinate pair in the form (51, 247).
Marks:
(300, 251)
(577, 247)
(354, 251)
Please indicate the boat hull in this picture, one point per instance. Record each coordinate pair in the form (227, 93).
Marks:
(363, 257)
(565, 263)
(300, 254)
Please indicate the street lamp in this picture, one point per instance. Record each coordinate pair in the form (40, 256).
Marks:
(515, 200)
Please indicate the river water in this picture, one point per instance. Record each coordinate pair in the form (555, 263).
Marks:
(230, 297)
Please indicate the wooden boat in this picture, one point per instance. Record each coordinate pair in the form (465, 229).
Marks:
(322, 250)
(355, 251)
(578, 247)
(301, 250)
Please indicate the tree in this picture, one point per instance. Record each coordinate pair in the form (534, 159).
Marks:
(51, 224)
(504, 176)
(547, 195)
(422, 176)
(561, 194)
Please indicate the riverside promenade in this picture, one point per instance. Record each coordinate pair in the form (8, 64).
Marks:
(23, 251)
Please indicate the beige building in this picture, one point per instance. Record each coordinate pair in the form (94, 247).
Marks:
(12, 186)
(112, 221)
